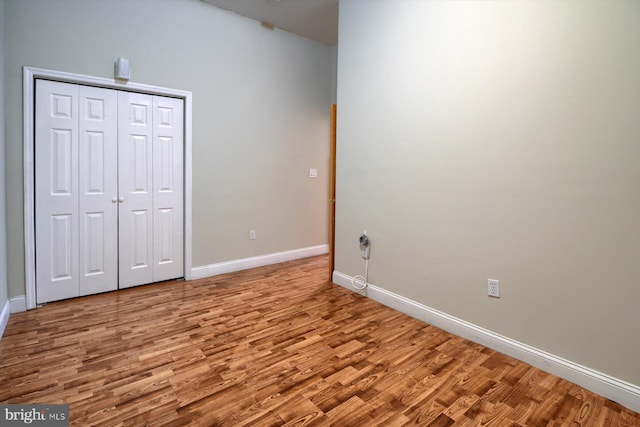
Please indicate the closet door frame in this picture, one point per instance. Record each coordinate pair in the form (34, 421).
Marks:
(30, 75)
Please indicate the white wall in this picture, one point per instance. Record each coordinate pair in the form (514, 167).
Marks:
(498, 140)
(260, 112)
(3, 229)
(334, 75)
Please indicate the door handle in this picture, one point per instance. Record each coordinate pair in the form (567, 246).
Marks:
(120, 199)
(114, 200)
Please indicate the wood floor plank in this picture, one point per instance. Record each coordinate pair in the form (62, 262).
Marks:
(273, 346)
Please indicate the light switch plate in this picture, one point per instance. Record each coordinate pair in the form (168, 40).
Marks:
(122, 69)
(313, 173)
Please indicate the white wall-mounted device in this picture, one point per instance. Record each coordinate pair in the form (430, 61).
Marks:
(364, 245)
(123, 71)
(361, 282)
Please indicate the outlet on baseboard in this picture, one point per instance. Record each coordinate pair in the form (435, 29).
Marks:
(493, 288)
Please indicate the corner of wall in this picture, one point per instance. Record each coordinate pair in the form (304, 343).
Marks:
(334, 77)
(4, 303)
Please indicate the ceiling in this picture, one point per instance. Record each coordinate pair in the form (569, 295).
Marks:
(314, 19)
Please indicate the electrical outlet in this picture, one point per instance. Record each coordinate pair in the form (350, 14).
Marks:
(252, 234)
(493, 288)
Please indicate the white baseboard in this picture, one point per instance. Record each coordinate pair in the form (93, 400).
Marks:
(257, 261)
(18, 304)
(605, 385)
(4, 317)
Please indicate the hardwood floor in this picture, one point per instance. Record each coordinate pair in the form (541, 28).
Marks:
(272, 346)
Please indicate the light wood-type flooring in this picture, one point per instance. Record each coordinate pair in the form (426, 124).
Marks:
(272, 346)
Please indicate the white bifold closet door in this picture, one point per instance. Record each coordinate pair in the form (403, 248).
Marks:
(76, 179)
(108, 188)
(151, 186)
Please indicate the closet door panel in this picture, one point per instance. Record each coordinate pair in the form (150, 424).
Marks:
(56, 191)
(168, 184)
(98, 179)
(109, 190)
(135, 188)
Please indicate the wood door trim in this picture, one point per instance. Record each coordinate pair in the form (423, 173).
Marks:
(332, 192)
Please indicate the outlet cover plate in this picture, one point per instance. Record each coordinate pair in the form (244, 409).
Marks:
(493, 288)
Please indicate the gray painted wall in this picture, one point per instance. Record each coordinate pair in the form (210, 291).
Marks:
(260, 112)
(498, 140)
(3, 221)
